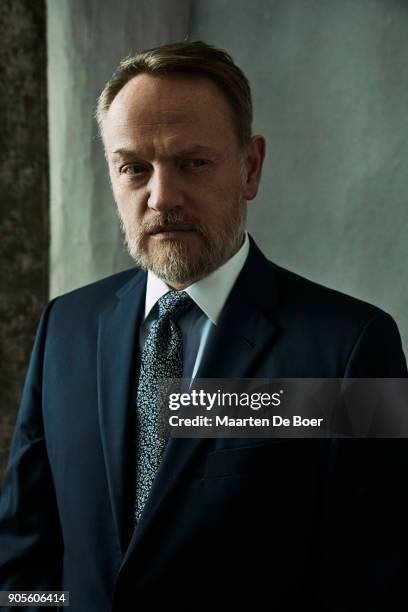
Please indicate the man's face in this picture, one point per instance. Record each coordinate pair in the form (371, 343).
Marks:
(179, 177)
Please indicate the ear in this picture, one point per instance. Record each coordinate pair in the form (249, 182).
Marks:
(254, 156)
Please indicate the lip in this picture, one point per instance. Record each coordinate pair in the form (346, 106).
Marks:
(172, 232)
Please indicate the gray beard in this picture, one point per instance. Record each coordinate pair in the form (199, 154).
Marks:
(171, 260)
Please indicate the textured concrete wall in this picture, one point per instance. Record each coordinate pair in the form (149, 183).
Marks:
(86, 41)
(330, 85)
(23, 197)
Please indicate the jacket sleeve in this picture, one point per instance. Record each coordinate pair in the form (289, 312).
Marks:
(30, 534)
(364, 530)
(377, 352)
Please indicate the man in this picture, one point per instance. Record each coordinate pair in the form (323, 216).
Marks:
(95, 501)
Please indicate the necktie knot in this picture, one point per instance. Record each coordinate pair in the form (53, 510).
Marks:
(173, 303)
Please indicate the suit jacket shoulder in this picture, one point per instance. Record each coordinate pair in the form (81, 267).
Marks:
(317, 331)
(97, 295)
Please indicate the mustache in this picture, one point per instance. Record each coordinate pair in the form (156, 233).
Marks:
(171, 221)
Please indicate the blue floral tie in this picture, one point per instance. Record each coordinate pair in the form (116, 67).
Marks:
(162, 357)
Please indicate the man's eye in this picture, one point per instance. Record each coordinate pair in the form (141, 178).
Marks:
(134, 169)
(196, 163)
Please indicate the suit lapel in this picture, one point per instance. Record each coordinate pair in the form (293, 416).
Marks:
(243, 334)
(245, 329)
(117, 374)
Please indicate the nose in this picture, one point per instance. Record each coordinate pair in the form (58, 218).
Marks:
(164, 190)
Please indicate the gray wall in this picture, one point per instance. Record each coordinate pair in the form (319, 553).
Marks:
(330, 89)
(330, 85)
(86, 40)
(23, 197)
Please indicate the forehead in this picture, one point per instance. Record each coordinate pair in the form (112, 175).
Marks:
(166, 106)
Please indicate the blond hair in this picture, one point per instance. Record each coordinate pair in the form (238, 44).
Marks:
(190, 57)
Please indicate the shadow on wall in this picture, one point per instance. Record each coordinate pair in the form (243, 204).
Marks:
(23, 197)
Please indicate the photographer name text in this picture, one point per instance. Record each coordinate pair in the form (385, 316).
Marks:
(226, 421)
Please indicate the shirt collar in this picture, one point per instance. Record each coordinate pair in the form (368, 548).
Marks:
(210, 293)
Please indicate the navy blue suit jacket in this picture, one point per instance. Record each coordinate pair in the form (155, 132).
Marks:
(230, 524)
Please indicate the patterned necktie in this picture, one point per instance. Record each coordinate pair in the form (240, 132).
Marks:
(162, 357)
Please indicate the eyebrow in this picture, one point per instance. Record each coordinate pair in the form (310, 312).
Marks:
(194, 150)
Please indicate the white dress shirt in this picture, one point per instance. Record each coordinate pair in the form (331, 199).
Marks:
(209, 295)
